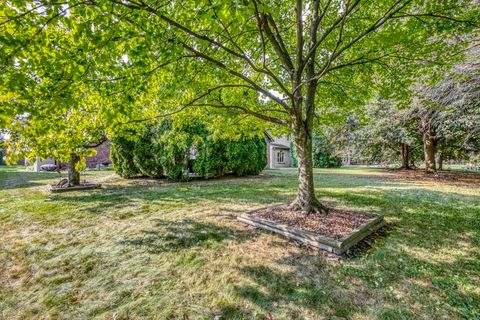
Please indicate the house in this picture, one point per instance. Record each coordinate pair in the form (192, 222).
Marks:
(101, 158)
(279, 153)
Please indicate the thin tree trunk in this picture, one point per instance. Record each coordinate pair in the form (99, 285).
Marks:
(306, 201)
(405, 154)
(73, 173)
(412, 163)
(429, 146)
(440, 161)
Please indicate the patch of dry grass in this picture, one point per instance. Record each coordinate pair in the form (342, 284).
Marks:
(146, 249)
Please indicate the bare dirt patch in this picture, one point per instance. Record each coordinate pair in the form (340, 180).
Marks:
(337, 224)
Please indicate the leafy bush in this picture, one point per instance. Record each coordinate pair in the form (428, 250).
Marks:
(164, 150)
(243, 157)
(148, 153)
(121, 153)
(177, 143)
(211, 160)
(322, 154)
(174, 161)
(246, 156)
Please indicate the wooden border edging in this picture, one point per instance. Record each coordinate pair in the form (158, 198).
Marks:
(312, 239)
(75, 188)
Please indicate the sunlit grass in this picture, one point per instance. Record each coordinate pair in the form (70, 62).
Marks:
(148, 249)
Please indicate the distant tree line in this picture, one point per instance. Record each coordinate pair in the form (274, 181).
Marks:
(440, 122)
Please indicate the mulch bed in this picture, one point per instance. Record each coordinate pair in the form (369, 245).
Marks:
(337, 224)
(83, 186)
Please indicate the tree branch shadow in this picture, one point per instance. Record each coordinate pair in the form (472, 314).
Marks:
(172, 236)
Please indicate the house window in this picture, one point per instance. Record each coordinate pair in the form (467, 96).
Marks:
(281, 157)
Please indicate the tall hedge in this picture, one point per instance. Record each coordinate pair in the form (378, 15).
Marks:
(211, 160)
(164, 150)
(121, 153)
(243, 157)
(148, 153)
(246, 156)
(175, 160)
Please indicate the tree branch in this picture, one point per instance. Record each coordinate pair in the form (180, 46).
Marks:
(236, 74)
(245, 111)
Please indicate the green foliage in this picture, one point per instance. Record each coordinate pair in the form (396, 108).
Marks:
(247, 156)
(322, 153)
(385, 129)
(323, 156)
(148, 153)
(175, 160)
(293, 151)
(378, 45)
(165, 149)
(211, 160)
(121, 153)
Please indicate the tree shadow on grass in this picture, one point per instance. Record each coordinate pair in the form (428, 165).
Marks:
(12, 178)
(286, 294)
(173, 236)
(433, 249)
(430, 218)
(431, 254)
(311, 286)
(170, 196)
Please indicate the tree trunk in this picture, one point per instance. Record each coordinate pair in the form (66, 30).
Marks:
(412, 163)
(429, 146)
(73, 173)
(405, 154)
(440, 161)
(306, 201)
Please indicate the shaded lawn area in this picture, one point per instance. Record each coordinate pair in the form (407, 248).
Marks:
(146, 249)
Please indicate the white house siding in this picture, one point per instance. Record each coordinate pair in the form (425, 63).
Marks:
(274, 147)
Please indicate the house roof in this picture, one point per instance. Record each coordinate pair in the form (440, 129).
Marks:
(282, 146)
(268, 136)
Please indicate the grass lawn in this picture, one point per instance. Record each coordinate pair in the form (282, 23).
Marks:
(146, 249)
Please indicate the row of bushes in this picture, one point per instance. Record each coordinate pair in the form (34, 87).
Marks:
(165, 151)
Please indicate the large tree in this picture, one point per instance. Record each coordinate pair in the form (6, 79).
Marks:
(389, 132)
(279, 61)
(449, 111)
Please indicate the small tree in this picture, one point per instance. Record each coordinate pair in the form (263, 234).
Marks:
(66, 136)
(148, 152)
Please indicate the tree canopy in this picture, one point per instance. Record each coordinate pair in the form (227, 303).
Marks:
(284, 62)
